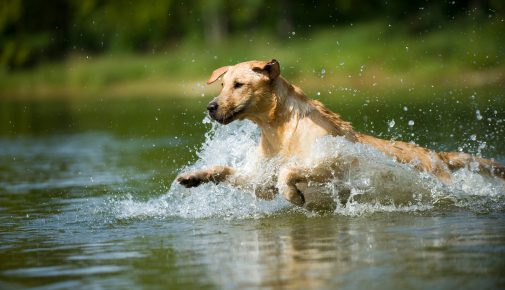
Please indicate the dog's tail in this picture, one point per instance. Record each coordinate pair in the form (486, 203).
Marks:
(456, 160)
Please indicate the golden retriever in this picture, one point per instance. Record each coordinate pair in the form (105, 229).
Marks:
(290, 123)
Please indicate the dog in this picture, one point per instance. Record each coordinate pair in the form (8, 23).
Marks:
(290, 123)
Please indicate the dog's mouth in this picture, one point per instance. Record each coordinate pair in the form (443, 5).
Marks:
(229, 116)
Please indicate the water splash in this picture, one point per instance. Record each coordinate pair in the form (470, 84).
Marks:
(378, 184)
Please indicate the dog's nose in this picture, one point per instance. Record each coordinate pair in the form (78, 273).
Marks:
(212, 107)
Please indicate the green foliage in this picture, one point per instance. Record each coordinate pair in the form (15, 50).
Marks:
(119, 25)
(347, 54)
(32, 31)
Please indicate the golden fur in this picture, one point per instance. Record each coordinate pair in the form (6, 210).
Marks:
(290, 123)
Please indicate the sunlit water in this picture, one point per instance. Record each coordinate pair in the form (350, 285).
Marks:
(92, 206)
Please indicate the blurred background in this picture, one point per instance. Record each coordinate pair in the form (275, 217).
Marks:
(159, 48)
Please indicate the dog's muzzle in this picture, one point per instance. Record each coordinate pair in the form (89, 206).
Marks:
(223, 118)
(212, 108)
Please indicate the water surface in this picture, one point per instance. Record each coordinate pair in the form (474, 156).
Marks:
(87, 202)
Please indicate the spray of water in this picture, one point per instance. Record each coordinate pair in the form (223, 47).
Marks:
(378, 184)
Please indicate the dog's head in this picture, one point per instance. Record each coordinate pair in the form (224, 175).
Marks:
(246, 90)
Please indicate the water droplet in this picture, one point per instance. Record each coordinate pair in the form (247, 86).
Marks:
(405, 109)
(391, 123)
(411, 123)
(478, 115)
(473, 137)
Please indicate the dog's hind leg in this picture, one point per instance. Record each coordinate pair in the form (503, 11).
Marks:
(457, 160)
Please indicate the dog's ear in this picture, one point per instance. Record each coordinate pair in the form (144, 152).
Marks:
(217, 73)
(272, 68)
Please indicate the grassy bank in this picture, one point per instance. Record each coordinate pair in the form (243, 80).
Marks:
(363, 56)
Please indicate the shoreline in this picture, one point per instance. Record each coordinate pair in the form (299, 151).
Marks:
(196, 88)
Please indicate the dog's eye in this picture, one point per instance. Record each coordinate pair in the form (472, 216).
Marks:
(238, 85)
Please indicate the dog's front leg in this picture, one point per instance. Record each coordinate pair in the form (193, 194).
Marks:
(218, 174)
(214, 174)
(289, 177)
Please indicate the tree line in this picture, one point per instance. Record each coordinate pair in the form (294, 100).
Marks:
(32, 30)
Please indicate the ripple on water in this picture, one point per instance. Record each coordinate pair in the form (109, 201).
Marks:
(56, 271)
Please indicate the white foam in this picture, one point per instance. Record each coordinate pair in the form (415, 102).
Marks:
(379, 184)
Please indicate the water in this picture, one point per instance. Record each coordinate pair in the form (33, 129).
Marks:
(87, 201)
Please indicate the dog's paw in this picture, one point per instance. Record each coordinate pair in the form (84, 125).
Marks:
(294, 195)
(189, 180)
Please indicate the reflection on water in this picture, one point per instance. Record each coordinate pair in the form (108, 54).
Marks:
(85, 202)
(355, 253)
(283, 251)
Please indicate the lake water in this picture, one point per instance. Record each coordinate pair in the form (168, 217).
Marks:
(87, 201)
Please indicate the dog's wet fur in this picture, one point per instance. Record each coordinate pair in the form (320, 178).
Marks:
(290, 123)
